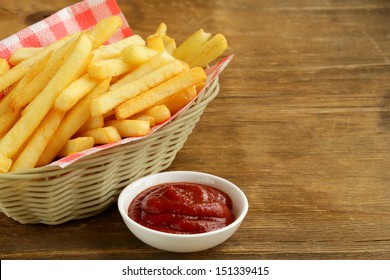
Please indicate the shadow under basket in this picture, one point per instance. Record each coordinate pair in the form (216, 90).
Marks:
(53, 195)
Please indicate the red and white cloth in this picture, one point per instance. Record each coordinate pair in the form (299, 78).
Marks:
(78, 17)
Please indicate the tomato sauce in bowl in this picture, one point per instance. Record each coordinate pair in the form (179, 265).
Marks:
(182, 208)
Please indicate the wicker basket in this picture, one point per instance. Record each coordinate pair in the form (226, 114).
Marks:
(54, 195)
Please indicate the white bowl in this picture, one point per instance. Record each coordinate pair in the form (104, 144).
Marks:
(183, 242)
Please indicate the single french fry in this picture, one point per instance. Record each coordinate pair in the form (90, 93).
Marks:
(114, 50)
(4, 66)
(103, 30)
(210, 51)
(92, 123)
(102, 135)
(5, 164)
(108, 68)
(109, 115)
(71, 123)
(35, 146)
(76, 145)
(143, 117)
(155, 42)
(130, 128)
(180, 99)
(113, 98)
(169, 44)
(136, 55)
(74, 92)
(152, 64)
(160, 113)
(23, 53)
(191, 44)
(161, 29)
(35, 112)
(7, 120)
(151, 97)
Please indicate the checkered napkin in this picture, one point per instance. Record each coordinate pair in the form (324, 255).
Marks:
(82, 16)
(77, 17)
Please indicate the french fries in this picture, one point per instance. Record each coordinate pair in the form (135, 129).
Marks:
(113, 98)
(5, 164)
(149, 98)
(130, 128)
(193, 43)
(72, 122)
(76, 145)
(115, 50)
(159, 113)
(32, 151)
(78, 92)
(102, 135)
(22, 54)
(199, 50)
(34, 113)
(108, 68)
(4, 66)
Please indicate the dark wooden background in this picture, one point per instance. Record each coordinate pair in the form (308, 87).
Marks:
(301, 124)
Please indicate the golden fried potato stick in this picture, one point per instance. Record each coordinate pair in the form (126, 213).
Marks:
(102, 135)
(143, 117)
(7, 120)
(4, 66)
(35, 112)
(113, 98)
(23, 53)
(5, 164)
(71, 123)
(160, 113)
(108, 68)
(150, 65)
(191, 44)
(74, 92)
(103, 30)
(169, 44)
(35, 146)
(114, 50)
(161, 29)
(210, 51)
(130, 128)
(155, 42)
(136, 55)
(76, 145)
(92, 123)
(180, 99)
(153, 96)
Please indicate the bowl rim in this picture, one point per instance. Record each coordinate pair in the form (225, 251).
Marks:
(238, 220)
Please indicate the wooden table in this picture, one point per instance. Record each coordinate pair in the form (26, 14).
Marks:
(301, 124)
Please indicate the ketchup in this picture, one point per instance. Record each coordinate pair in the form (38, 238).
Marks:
(182, 208)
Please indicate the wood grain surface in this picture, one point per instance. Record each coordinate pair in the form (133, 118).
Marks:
(301, 124)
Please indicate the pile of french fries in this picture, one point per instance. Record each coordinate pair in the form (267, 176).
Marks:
(78, 92)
